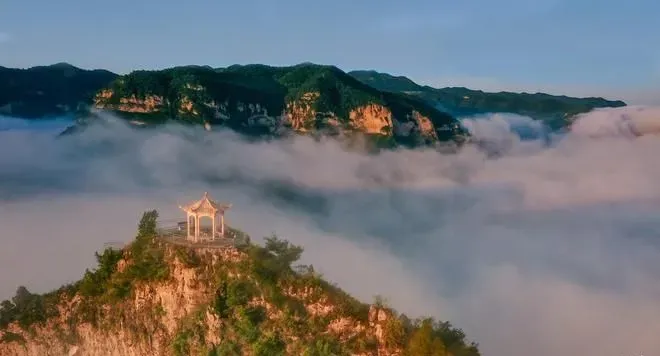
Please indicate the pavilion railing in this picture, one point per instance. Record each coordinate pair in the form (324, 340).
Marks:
(179, 231)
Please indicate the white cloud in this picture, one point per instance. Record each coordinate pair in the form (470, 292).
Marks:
(541, 251)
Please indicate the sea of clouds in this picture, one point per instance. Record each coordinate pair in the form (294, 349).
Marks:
(550, 247)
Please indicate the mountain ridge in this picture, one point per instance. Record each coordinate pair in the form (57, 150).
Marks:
(555, 110)
(265, 100)
(47, 91)
(305, 97)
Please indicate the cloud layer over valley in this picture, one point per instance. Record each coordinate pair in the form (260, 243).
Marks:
(550, 247)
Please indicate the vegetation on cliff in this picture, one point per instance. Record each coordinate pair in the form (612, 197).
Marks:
(259, 99)
(49, 90)
(458, 101)
(155, 297)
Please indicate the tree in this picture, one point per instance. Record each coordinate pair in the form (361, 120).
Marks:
(95, 283)
(147, 226)
(28, 308)
(424, 342)
(394, 333)
(285, 252)
(146, 232)
(22, 297)
(7, 313)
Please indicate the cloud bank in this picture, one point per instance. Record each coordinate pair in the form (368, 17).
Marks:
(550, 247)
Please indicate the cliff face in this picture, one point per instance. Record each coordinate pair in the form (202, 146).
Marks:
(131, 104)
(372, 119)
(269, 100)
(157, 298)
(158, 314)
(300, 114)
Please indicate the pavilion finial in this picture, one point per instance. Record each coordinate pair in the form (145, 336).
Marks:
(206, 194)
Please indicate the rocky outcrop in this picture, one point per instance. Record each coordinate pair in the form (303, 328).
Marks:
(131, 104)
(187, 107)
(380, 322)
(300, 113)
(163, 295)
(149, 322)
(143, 325)
(424, 125)
(102, 97)
(372, 119)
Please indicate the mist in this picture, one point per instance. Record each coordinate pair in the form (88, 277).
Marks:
(549, 247)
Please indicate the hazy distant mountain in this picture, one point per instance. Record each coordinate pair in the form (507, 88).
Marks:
(49, 90)
(458, 101)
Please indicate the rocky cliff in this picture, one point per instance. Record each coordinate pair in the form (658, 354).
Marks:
(260, 100)
(157, 298)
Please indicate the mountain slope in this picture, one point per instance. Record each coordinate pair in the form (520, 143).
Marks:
(158, 298)
(386, 82)
(264, 100)
(48, 90)
(557, 110)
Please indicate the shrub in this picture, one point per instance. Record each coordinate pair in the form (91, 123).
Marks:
(325, 346)
(95, 283)
(9, 336)
(423, 341)
(181, 343)
(27, 308)
(188, 257)
(227, 348)
(269, 345)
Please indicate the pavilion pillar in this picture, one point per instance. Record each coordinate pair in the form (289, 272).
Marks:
(213, 228)
(188, 226)
(196, 228)
(222, 224)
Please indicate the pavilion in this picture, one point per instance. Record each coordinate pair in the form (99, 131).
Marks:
(205, 207)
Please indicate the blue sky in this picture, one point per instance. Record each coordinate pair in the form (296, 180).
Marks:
(574, 47)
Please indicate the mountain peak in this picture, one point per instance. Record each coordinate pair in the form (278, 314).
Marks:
(63, 65)
(58, 65)
(162, 295)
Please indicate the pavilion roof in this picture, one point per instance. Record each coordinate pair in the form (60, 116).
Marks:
(205, 205)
